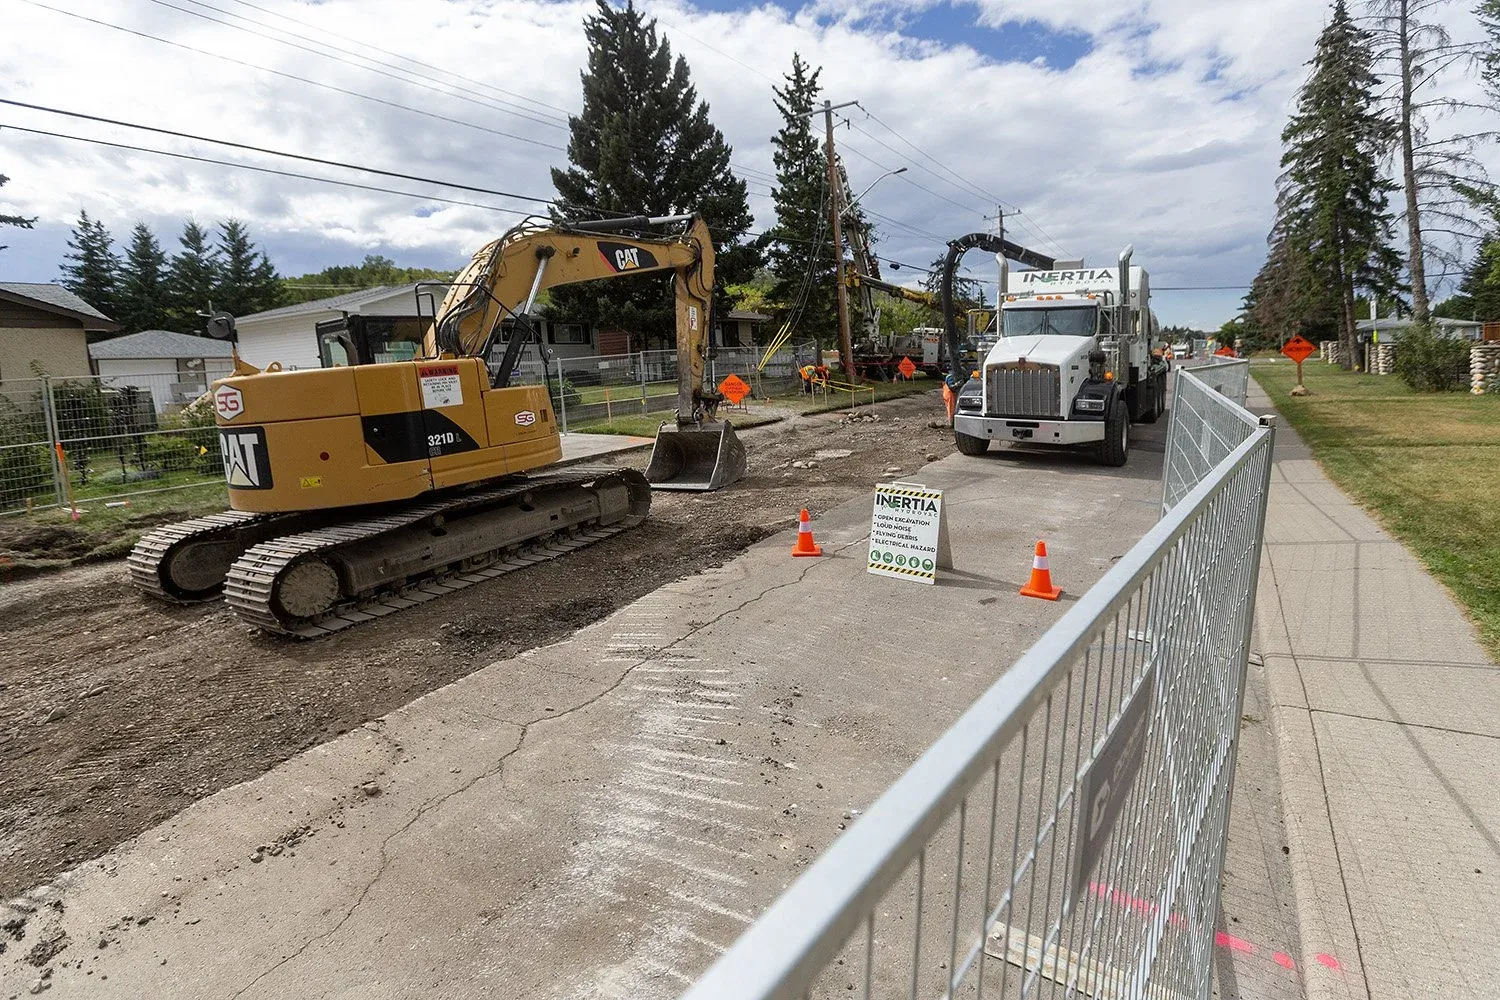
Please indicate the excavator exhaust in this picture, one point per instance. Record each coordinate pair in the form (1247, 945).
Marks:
(696, 459)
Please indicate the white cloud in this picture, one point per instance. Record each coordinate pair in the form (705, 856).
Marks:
(1164, 134)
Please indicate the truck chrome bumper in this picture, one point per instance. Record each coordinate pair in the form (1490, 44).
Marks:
(1034, 431)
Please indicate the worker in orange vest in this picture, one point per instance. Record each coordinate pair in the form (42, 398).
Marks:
(806, 371)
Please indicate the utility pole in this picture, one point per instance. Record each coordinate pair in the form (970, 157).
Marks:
(846, 347)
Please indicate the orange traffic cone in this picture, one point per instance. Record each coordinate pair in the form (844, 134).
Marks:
(1041, 577)
(805, 544)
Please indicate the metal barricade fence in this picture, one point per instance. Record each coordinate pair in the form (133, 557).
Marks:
(594, 388)
(84, 438)
(1202, 430)
(1228, 376)
(1067, 834)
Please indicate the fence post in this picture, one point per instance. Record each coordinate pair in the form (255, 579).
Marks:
(54, 439)
(641, 367)
(562, 396)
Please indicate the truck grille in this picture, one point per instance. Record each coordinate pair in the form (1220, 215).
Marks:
(1033, 391)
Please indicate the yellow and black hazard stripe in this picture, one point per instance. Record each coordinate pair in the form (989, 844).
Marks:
(903, 570)
(914, 494)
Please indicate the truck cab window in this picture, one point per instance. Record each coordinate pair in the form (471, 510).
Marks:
(1072, 321)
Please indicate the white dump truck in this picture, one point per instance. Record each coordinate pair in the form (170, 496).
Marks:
(1073, 363)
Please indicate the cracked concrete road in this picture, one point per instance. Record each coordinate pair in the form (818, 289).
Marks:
(602, 816)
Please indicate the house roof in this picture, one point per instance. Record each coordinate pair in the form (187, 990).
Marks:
(56, 299)
(748, 314)
(155, 344)
(348, 302)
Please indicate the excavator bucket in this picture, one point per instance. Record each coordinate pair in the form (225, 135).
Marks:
(702, 458)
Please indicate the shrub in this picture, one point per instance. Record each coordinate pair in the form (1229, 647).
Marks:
(175, 454)
(570, 394)
(1431, 363)
(25, 471)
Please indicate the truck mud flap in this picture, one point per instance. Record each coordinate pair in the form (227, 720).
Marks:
(698, 459)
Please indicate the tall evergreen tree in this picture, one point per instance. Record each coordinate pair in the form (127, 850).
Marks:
(143, 283)
(1332, 201)
(19, 221)
(1478, 295)
(643, 144)
(192, 279)
(799, 247)
(93, 269)
(247, 280)
(1286, 298)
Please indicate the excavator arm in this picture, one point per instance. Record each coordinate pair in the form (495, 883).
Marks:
(505, 276)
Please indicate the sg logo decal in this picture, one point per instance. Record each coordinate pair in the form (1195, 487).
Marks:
(228, 402)
(525, 418)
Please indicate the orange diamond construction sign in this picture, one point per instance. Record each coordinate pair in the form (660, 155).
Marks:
(734, 388)
(906, 368)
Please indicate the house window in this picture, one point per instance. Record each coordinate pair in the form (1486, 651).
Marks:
(568, 333)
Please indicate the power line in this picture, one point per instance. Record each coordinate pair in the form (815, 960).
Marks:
(277, 152)
(261, 170)
(491, 103)
(398, 55)
(863, 155)
(975, 188)
(887, 146)
(299, 79)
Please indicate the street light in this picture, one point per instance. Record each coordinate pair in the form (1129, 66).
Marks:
(889, 173)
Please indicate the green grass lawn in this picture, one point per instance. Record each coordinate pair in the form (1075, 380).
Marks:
(839, 400)
(647, 424)
(48, 539)
(1427, 465)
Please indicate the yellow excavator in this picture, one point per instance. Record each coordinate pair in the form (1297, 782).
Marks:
(362, 489)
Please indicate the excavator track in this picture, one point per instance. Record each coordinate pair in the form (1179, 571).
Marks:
(152, 560)
(267, 583)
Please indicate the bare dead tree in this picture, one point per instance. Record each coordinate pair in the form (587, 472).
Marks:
(1438, 164)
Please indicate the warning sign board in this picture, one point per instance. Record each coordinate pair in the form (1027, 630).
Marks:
(1299, 349)
(906, 368)
(908, 533)
(441, 386)
(734, 388)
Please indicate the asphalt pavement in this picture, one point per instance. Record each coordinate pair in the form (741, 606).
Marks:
(599, 817)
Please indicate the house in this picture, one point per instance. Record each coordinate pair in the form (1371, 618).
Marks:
(1388, 331)
(741, 328)
(173, 367)
(45, 327)
(289, 334)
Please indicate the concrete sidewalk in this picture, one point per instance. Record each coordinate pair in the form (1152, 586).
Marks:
(1386, 712)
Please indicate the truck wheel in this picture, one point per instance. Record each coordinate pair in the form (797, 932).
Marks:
(968, 444)
(1158, 404)
(1116, 444)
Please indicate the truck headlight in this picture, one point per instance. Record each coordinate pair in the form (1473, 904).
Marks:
(1086, 405)
(971, 402)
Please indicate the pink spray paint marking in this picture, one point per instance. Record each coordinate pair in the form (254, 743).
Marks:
(1147, 908)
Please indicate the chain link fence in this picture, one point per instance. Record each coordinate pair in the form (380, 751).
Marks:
(1066, 836)
(587, 390)
(71, 440)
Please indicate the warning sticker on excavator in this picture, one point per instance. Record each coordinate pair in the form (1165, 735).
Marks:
(441, 386)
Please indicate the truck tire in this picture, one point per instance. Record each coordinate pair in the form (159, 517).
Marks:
(968, 444)
(1115, 447)
(1157, 403)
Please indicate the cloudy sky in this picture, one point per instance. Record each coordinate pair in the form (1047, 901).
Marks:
(1147, 121)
